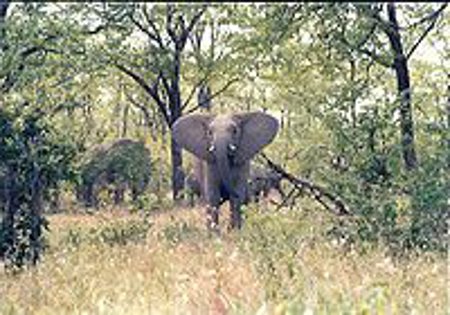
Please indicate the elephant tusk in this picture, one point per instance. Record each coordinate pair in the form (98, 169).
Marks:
(211, 148)
(232, 147)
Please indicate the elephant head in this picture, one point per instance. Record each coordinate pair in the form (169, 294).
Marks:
(238, 136)
(226, 143)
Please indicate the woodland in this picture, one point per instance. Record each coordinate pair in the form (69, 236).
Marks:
(98, 206)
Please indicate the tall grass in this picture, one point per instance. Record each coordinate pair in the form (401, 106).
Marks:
(280, 263)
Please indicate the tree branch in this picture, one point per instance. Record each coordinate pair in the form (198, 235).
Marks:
(372, 54)
(155, 30)
(151, 90)
(10, 78)
(223, 89)
(143, 108)
(192, 93)
(186, 31)
(317, 192)
(169, 24)
(143, 29)
(434, 17)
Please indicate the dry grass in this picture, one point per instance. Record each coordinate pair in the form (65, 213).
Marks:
(276, 265)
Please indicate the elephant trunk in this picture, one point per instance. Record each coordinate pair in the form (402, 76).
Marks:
(224, 168)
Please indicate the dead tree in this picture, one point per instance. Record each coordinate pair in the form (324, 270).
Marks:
(328, 200)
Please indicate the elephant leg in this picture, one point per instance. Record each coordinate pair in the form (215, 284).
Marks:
(236, 216)
(135, 192)
(118, 195)
(212, 218)
(257, 195)
(235, 207)
(191, 198)
(266, 189)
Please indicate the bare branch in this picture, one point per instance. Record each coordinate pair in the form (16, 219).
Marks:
(143, 108)
(192, 93)
(151, 90)
(223, 89)
(96, 30)
(155, 30)
(164, 81)
(318, 193)
(169, 23)
(186, 31)
(434, 18)
(152, 36)
(372, 54)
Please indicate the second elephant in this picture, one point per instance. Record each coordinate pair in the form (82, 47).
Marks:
(123, 164)
(262, 181)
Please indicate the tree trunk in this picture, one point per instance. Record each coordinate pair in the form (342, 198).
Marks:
(176, 112)
(3, 10)
(36, 217)
(404, 90)
(448, 120)
(177, 170)
(125, 121)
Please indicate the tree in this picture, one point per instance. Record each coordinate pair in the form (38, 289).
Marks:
(396, 58)
(165, 87)
(169, 40)
(34, 158)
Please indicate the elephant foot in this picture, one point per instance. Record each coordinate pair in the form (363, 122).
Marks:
(235, 222)
(212, 219)
(234, 226)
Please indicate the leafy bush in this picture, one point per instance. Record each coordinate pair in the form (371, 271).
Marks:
(406, 210)
(34, 159)
(178, 232)
(121, 233)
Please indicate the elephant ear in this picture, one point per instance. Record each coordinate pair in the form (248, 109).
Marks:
(258, 129)
(190, 132)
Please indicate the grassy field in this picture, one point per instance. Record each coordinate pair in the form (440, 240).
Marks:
(280, 263)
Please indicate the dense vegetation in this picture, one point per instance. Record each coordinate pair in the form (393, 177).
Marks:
(362, 93)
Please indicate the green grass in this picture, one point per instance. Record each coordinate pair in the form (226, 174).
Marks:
(280, 263)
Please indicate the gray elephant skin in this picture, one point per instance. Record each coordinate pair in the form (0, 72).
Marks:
(225, 144)
(123, 164)
(193, 188)
(261, 181)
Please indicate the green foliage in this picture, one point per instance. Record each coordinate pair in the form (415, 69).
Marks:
(309, 64)
(405, 211)
(151, 202)
(34, 160)
(122, 164)
(178, 232)
(119, 233)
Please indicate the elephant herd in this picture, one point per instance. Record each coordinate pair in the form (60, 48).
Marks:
(223, 146)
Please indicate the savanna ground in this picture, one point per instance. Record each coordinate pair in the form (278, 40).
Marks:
(114, 262)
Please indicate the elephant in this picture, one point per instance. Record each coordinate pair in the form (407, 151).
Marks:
(262, 181)
(225, 144)
(124, 164)
(193, 183)
(193, 188)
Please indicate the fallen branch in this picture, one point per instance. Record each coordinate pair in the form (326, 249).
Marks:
(320, 194)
